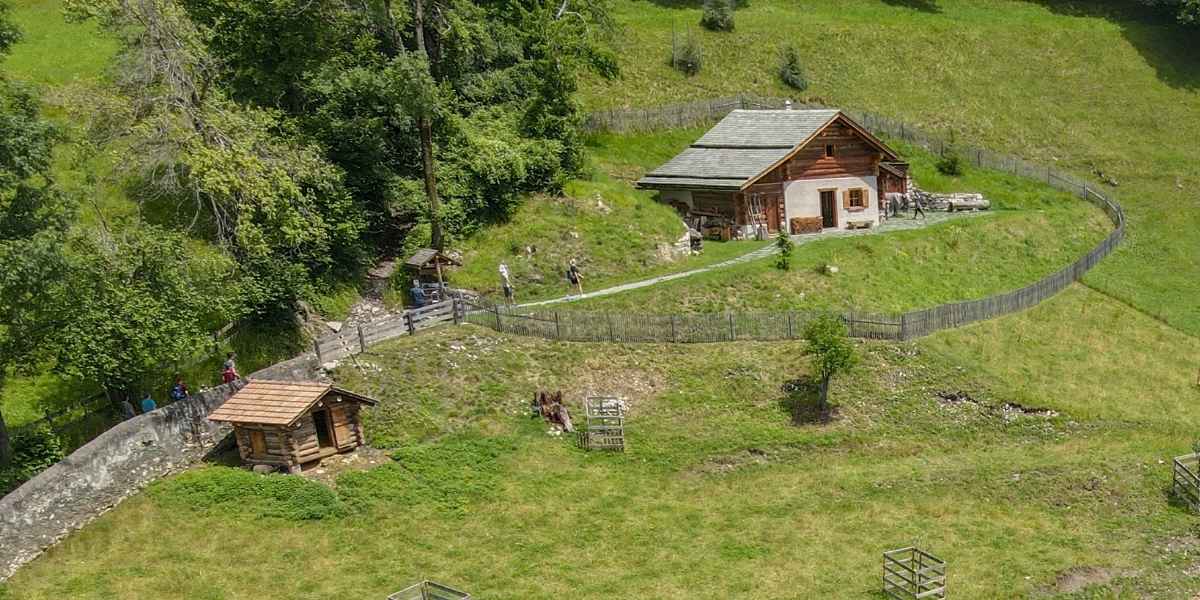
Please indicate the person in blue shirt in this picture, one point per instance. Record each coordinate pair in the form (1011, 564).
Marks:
(179, 391)
(148, 404)
(418, 294)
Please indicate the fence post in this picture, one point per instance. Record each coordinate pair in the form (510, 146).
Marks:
(496, 310)
(791, 331)
(674, 335)
(557, 326)
(317, 348)
(362, 340)
(408, 320)
(732, 335)
(612, 336)
(455, 305)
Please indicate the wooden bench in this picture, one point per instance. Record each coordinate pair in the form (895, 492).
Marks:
(859, 224)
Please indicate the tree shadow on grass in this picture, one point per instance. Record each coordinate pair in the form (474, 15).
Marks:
(801, 400)
(926, 6)
(1164, 43)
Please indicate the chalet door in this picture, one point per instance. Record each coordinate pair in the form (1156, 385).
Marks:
(324, 427)
(828, 208)
(771, 206)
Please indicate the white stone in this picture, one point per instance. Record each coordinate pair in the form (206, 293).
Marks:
(334, 325)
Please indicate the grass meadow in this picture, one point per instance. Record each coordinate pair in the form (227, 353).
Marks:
(1032, 452)
(722, 493)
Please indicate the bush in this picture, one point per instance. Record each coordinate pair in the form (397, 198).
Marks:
(718, 15)
(784, 243)
(34, 450)
(687, 58)
(951, 163)
(227, 489)
(791, 71)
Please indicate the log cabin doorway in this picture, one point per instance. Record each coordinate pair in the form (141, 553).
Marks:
(828, 208)
(324, 426)
(771, 207)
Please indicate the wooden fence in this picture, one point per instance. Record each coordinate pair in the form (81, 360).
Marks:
(356, 340)
(1185, 479)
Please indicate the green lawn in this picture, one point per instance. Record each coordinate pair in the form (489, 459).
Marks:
(1078, 85)
(1032, 231)
(720, 495)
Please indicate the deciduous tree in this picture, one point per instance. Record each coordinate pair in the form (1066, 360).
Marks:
(830, 350)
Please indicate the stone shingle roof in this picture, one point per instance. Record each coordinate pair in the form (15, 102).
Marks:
(743, 145)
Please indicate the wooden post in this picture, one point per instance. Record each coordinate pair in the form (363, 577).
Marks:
(612, 336)
(732, 336)
(496, 310)
(557, 326)
(362, 340)
(317, 348)
(791, 331)
(455, 306)
(408, 320)
(675, 336)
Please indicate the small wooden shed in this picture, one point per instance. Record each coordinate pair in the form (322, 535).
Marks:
(287, 424)
(430, 265)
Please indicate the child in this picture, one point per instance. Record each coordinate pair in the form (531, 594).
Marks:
(229, 371)
(179, 391)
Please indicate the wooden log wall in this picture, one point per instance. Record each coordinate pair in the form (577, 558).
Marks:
(278, 452)
(852, 157)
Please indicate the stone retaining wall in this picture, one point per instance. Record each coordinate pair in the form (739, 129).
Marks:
(105, 471)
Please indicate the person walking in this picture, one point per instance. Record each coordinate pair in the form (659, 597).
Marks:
(917, 208)
(179, 391)
(127, 411)
(506, 284)
(229, 369)
(148, 404)
(418, 294)
(575, 276)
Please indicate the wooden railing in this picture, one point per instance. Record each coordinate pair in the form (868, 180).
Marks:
(356, 340)
(1185, 480)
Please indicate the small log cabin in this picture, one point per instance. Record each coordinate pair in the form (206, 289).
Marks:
(804, 171)
(286, 424)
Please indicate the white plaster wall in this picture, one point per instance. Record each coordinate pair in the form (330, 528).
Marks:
(802, 198)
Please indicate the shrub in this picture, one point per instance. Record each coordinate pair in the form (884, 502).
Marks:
(784, 243)
(718, 15)
(227, 489)
(687, 58)
(831, 351)
(791, 71)
(34, 450)
(951, 163)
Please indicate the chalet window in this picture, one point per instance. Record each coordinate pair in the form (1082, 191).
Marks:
(258, 442)
(858, 198)
(829, 151)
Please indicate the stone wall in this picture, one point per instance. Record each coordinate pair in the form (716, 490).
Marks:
(105, 471)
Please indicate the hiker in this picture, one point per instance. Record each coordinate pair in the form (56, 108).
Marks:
(148, 404)
(917, 208)
(506, 284)
(229, 370)
(417, 293)
(127, 411)
(179, 391)
(575, 276)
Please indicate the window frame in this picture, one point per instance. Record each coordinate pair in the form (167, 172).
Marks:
(830, 150)
(862, 198)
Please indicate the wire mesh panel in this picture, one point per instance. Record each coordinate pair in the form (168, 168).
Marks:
(428, 590)
(912, 574)
(605, 424)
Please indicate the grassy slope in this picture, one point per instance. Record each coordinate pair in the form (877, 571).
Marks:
(613, 243)
(1053, 81)
(1033, 231)
(719, 495)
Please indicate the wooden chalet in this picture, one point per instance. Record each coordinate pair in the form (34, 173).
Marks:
(805, 171)
(287, 424)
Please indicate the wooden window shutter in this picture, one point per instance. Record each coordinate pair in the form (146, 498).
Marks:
(846, 199)
(866, 196)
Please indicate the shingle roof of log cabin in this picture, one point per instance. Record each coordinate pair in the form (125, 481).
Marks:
(745, 145)
(276, 402)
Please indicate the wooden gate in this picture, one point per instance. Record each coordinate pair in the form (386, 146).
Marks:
(912, 574)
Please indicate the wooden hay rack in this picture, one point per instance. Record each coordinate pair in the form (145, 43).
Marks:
(912, 574)
(428, 590)
(605, 424)
(1185, 480)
